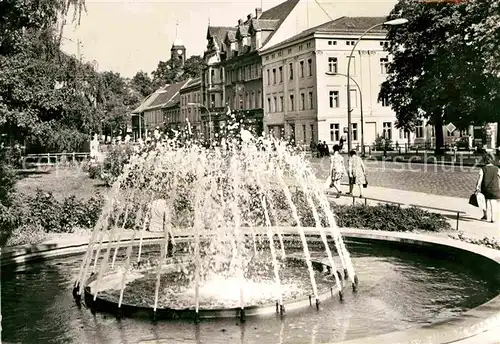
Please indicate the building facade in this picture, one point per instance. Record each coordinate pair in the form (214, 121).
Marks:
(190, 111)
(305, 103)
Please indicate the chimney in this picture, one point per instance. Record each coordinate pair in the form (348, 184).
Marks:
(240, 21)
(258, 12)
(249, 16)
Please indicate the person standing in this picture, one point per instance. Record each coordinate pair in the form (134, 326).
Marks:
(337, 169)
(488, 184)
(158, 223)
(356, 172)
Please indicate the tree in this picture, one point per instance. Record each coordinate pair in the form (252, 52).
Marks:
(142, 83)
(193, 67)
(435, 73)
(167, 72)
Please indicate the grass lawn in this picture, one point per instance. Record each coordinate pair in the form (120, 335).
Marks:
(62, 182)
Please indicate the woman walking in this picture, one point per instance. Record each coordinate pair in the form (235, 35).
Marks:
(356, 172)
(337, 169)
(488, 184)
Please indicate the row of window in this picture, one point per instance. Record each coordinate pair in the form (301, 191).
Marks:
(244, 73)
(308, 45)
(277, 103)
(190, 98)
(250, 100)
(335, 131)
(277, 75)
(334, 98)
(333, 65)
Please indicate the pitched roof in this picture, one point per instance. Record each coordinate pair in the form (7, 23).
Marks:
(149, 99)
(218, 33)
(343, 25)
(165, 97)
(278, 14)
(192, 83)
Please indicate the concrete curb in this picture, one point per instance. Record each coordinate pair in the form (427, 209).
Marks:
(474, 322)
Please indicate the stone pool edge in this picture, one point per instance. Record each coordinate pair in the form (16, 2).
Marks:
(476, 321)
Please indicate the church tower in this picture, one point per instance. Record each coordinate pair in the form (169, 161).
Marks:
(178, 50)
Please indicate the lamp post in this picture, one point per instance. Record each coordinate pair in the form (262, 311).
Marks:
(394, 22)
(209, 118)
(360, 105)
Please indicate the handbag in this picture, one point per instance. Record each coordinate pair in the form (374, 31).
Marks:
(477, 200)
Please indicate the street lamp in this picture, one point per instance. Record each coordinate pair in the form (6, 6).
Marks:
(394, 22)
(360, 105)
(209, 118)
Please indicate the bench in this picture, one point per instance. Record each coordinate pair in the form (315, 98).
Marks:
(458, 212)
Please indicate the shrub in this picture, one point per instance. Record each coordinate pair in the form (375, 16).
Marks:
(7, 183)
(382, 217)
(44, 211)
(487, 242)
(113, 164)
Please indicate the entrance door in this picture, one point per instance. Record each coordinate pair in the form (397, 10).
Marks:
(370, 133)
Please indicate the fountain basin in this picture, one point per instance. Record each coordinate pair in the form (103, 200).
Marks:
(470, 323)
(104, 304)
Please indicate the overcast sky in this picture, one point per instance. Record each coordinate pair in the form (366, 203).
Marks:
(131, 35)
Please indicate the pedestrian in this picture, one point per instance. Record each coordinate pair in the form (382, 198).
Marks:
(488, 184)
(337, 169)
(326, 149)
(356, 172)
(320, 149)
(158, 223)
(341, 143)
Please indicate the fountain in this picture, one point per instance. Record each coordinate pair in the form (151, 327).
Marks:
(207, 226)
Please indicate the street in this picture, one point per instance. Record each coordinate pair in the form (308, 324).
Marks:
(444, 180)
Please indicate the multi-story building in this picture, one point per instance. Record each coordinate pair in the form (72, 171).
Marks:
(304, 102)
(190, 97)
(233, 59)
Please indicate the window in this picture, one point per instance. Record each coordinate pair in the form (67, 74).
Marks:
(212, 76)
(247, 100)
(258, 103)
(302, 101)
(310, 67)
(268, 77)
(274, 76)
(304, 132)
(308, 44)
(353, 64)
(290, 50)
(275, 99)
(433, 131)
(384, 64)
(269, 105)
(252, 100)
(349, 42)
(282, 103)
(311, 101)
(291, 70)
(333, 65)
(292, 104)
(384, 100)
(312, 132)
(332, 42)
(334, 99)
(403, 134)
(354, 131)
(334, 132)
(212, 100)
(281, 73)
(387, 130)
(354, 97)
(300, 47)
(241, 102)
(301, 69)
(419, 130)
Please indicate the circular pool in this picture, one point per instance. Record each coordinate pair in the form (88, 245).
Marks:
(402, 286)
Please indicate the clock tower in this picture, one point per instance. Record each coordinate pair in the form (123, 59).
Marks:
(178, 50)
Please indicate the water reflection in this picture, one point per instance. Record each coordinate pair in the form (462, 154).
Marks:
(395, 294)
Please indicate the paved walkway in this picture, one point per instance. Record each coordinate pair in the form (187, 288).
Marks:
(469, 222)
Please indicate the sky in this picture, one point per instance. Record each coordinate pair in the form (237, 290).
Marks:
(127, 36)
